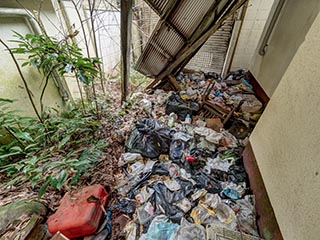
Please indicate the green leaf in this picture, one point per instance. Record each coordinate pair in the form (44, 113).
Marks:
(54, 182)
(35, 179)
(25, 64)
(6, 100)
(25, 136)
(64, 141)
(16, 149)
(13, 181)
(44, 187)
(83, 78)
(62, 178)
(8, 155)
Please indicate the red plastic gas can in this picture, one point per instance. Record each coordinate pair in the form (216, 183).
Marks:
(76, 216)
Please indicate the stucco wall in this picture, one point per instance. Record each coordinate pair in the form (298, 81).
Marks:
(252, 27)
(288, 34)
(287, 138)
(11, 85)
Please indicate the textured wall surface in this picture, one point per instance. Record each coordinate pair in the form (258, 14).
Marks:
(251, 30)
(286, 143)
(289, 32)
(11, 85)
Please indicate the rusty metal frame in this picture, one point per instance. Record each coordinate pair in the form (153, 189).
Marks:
(181, 53)
(189, 51)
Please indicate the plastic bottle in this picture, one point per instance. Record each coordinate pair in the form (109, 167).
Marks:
(171, 120)
(187, 120)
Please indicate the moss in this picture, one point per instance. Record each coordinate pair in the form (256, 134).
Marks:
(10, 214)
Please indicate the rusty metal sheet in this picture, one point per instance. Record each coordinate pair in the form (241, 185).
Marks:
(182, 25)
(211, 56)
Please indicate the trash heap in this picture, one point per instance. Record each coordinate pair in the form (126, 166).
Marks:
(183, 172)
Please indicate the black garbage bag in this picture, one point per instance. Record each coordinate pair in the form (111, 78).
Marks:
(213, 75)
(141, 181)
(219, 175)
(160, 169)
(163, 199)
(207, 182)
(237, 174)
(125, 206)
(181, 108)
(149, 138)
(177, 148)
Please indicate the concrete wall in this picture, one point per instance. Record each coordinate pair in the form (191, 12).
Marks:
(286, 139)
(288, 34)
(11, 85)
(255, 19)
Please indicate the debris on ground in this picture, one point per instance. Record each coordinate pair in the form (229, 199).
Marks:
(79, 212)
(173, 165)
(187, 177)
(19, 218)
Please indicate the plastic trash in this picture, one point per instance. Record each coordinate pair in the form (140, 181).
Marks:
(171, 120)
(172, 185)
(146, 105)
(149, 138)
(125, 206)
(230, 193)
(144, 194)
(126, 158)
(131, 230)
(136, 168)
(202, 215)
(163, 199)
(161, 229)
(246, 217)
(189, 231)
(177, 149)
(174, 170)
(198, 194)
(212, 200)
(184, 205)
(207, 182)
(181, 108)
(226, 215)
(240, 188)
(188, 119)
(145, 213)
(251, 103)
(237, 174)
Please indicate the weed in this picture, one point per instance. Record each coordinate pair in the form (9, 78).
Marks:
(30, 157)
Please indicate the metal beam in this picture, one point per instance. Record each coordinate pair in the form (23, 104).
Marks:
(190, 50)
(126, 23)
(153, 6)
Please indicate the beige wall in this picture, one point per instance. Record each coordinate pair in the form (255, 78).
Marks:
(255, 19)
(287, 138)
(11, 85)
(288, 34)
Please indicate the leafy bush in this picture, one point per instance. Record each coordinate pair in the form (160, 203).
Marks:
(48, 54)
(54, 153)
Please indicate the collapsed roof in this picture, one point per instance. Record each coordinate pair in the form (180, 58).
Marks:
(184, 26)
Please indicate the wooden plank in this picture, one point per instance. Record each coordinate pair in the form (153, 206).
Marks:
(173, 82)
(126, 23)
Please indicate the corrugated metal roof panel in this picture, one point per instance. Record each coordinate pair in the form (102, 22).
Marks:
(161, 4)
(159, 48)
(189, 14)
(165, 45)
(211, 56)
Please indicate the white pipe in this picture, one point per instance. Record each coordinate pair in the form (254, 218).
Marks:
(23, 13)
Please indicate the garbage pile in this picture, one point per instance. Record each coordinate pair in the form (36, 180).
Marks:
(183, 173)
